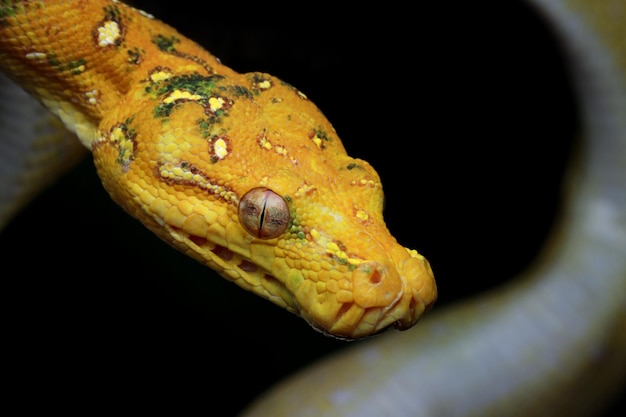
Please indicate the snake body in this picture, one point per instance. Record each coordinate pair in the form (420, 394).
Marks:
(489, 356)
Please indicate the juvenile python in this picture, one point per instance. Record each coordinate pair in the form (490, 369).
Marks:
(219, 164)
(492, 322)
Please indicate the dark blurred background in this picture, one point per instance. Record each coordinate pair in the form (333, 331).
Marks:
(463, 108)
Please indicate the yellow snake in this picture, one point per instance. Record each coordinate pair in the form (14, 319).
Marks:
(313, 224)
(220, 165)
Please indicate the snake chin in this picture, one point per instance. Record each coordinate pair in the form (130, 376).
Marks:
(343, 337)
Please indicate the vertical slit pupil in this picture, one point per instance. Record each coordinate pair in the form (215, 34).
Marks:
(262, 216)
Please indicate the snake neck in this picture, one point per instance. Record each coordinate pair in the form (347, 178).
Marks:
(111, 52)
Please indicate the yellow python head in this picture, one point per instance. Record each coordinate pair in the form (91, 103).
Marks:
(245, 174)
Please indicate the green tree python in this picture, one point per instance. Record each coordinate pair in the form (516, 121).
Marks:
(528, 340)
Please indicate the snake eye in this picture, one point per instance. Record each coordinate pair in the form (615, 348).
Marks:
(263, 213)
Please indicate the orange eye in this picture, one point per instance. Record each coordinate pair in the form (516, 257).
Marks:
(263, 213)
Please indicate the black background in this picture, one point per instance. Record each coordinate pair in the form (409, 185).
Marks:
(464, 110)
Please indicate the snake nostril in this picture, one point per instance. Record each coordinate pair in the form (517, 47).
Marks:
(376, 277)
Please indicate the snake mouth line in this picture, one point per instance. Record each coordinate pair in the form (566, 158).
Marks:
(351, 321)
(246, 266)
(236, 268)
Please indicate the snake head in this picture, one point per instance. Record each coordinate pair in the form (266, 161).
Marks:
(334, 262)
(245, 174)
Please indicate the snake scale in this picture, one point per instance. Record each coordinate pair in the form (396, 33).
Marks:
(429, 403)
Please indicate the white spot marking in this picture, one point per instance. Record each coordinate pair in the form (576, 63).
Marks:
(35, 55)
(221, 148)
(108, 33)
(146, 14)
(92, 96)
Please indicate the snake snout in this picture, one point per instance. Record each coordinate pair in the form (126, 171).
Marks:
(393, 294)
(418, 295)
(375, 285)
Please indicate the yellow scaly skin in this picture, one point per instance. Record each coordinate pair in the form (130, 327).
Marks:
(179, 139)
